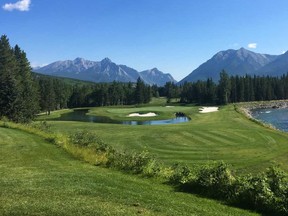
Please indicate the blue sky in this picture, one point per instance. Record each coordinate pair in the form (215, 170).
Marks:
(174, 36)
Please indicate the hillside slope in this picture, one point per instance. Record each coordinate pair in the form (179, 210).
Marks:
(37, 178)
(277, 67)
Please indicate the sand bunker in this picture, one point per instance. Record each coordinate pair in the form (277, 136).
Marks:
(208, 109)
(150, 114)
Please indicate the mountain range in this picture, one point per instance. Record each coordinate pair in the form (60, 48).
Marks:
(103, 71)
(239, 62)
(234, 62)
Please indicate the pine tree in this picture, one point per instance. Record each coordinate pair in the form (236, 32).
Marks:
(140, 91)
(9, 91)
(47, 92)
(28, 99)
(224, 88)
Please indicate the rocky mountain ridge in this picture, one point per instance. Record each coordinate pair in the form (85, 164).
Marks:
(103, 71)
(235, 62)
(239, 62)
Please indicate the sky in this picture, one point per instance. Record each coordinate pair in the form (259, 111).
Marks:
(176, 36)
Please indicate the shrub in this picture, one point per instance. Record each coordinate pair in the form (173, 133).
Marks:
(152, 168)
(181, 174)
(89, 139)
(266, 192)
(42, 126)
(277, 180)
(137, 163)
(215, 180)
(253, 192)
(5, 122)
(83, 138)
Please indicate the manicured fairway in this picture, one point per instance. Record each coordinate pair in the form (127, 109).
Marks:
(39, 178)
(224, 135)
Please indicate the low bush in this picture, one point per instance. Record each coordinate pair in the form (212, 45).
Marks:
(89, 139)
(180, 174)
(133, 162)
(253, 192)
(214, 180)
(137, 163)
(42, 126)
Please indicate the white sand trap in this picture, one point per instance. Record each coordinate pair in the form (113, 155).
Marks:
(208, 109)
(150, 114)
(169, 106)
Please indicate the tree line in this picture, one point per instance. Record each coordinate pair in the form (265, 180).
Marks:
(56, 94)
(232, 89)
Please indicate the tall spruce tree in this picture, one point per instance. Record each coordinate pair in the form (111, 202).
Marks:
(140, 91)
(18, 93)
(224, 88)
(9, 84)
(28, 99)
(48, 100)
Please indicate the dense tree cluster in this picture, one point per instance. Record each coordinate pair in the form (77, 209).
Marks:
(235, 89)
(18, 92)
(56, 94)
(107, 94)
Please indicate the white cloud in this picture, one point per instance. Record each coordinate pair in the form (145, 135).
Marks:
(22, 5)
(252, 45)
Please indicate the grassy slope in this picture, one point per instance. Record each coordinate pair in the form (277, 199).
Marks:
(37, 178)
(225, 135)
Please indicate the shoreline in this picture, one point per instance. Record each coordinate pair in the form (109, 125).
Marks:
(247, 107)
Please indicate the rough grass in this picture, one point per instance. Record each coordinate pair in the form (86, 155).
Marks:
(225, 135)
(38, 178)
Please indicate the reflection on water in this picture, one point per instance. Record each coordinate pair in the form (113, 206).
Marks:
(277, 117)
(80, 115)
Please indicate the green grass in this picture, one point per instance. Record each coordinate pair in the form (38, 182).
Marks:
(39, 178)
(225, 135)
(54, 114)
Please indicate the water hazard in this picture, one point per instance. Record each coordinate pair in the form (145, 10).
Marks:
(276, 117)
(80, 115)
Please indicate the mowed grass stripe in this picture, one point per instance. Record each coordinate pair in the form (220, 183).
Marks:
(212, 138)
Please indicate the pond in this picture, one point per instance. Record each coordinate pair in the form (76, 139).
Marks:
(80, 115)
